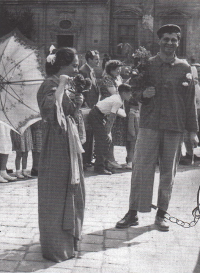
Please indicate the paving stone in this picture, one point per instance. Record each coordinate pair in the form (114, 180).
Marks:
(91, 255)
(92, 239)
(122, 234)
(7, 246)
(34, 256)
(34, 248)
(90, 247)
(66, 264)
(114, 243)
(8, 266)
(55, 270)
(30, 266)
(17, 241)
(113, 268)
(86, 270)
(11, 255)
(90, 263)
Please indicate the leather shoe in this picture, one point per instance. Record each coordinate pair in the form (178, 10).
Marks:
(161, 223)
(103, 172)
(196, 158)
(34, 172)
(129, 219)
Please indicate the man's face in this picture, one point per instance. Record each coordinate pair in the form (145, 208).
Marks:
(95, 62)
(169, 43)
(126, 95)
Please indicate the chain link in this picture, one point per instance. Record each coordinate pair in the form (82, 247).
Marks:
(195, 213)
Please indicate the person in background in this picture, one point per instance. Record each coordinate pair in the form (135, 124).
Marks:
(109, 86)
(91, 98)
(168, 108)
(61, 191)
(22, 144)
(190, 157)
(106, 58)
(101, 118)
(5, 150)
(132, 131)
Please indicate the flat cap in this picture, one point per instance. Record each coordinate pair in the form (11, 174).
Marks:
(169, 28)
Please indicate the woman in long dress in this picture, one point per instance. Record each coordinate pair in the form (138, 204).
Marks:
(61, 190)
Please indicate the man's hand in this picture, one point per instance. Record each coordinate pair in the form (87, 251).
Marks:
(194, 139)
(149, 92)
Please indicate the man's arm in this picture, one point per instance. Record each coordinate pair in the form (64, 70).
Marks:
(109, 122)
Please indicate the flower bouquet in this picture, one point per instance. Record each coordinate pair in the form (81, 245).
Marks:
(81, 84)
(139, 68)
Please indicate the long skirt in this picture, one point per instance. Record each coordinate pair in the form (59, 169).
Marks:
(61, 205)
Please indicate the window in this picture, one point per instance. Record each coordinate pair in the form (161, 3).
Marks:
(126, 38)
(65, 24)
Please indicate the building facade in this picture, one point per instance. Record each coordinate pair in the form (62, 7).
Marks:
(117, 27)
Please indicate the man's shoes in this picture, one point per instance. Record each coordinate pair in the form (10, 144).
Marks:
(103, 172)
(161, 223)
(34, 172)
(130, 219)
(128, 166)
(9, 170)
(186, 160)
(88, 165)
(196, 158)
(114, 164)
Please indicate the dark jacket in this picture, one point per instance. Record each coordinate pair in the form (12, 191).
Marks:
(92, 96)
(173, 106)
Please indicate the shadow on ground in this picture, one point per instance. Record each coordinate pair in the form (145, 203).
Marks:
(28, 258)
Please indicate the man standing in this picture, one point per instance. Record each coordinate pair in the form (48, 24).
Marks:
(168, 108)
(91, 98)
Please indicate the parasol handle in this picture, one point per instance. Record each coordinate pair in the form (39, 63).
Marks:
(8, 82)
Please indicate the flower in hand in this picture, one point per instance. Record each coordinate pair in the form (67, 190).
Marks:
(81, 84)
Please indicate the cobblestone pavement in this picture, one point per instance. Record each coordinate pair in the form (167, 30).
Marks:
(103, 249)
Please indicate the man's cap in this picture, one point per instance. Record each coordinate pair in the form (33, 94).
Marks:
(169, 28)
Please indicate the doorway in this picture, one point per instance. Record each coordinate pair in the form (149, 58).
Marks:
(65, 41)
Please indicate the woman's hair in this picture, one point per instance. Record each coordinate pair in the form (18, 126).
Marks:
(90, 54)
(59, 57)
(112, 65)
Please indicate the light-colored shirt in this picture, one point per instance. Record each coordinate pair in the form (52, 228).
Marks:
(110, 104)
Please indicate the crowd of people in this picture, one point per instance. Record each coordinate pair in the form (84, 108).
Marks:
(80, 129)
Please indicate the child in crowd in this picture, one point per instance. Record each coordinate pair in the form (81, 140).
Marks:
(132, 131)
(101, 118)
(22, 144)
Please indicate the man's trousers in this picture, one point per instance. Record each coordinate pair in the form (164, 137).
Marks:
(151, 146)
(102, 140)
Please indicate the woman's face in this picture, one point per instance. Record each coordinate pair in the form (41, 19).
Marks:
(72, 69)
(116, 72)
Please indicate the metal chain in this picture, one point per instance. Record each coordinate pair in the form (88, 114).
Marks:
(195, 213)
